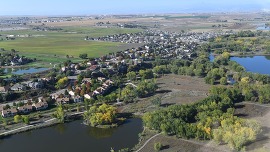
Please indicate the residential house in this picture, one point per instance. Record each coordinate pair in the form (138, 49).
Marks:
(62, 100)
(101, 79)
(25, 109)
(18, 87)
(72, 93)
(40, 105)
(36, 85)
(9, 112)
(1, 108)
(4, 89)
(77, 99)
(88, 96)
(85, 80)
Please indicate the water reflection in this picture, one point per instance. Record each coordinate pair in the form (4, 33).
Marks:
(99, 133)
(74, 136)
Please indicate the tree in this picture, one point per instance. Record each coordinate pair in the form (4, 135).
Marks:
(146, 74)
(158, 146)
(17, 118)
(25, 119)
(83, 56)
(100, 115)
(131, 76)
(156, 101)
(61, 83)
(236, 132)
(128, 94)
(59, 113)
(223, 81)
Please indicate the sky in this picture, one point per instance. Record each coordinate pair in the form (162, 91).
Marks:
(88, 7)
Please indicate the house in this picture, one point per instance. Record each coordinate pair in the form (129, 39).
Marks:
(4, 89)
(77, 99)
(36, 85)
(85, 80)
(1, 108)
(9, 112)
(72, 93)
(25, 109)
(18, 87)
(40, 105)
(93, 67)
(88, 96)
(62, 100)
(101, 79)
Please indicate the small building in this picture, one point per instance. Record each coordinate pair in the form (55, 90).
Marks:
(9, 112)
(4, 89)
(62, 100)
(72, 93)
(18, 87)
(40, 105)
(88, 96)
(25, 109)
(36, 85)
(77, 99)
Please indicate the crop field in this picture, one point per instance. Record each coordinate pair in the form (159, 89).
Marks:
(54, 46)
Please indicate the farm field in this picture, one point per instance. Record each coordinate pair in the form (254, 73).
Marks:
(54, 46)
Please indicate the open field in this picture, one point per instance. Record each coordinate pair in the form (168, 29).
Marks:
(53, 46)
(173, 89)
(260, 113)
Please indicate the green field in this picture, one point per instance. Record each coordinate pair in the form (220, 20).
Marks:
(53, 46)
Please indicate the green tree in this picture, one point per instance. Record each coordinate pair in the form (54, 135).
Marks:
(59, 113)
(17, 118)
(131, 76)
(61, 83)
(158, 146)
(25, 119)
(83, 56)
(156, 101)
(223, 81)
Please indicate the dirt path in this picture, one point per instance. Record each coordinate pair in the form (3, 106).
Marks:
(147, 142)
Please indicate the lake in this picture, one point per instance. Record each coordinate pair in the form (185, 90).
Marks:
(256, 64)
(20, 71)
(74, 137)
(263, 27)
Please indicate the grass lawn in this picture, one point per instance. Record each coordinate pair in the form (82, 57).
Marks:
(53, 46)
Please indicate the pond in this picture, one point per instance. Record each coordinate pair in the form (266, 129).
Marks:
(256, 64)
(263, 27)
(74, 137)
(20, 71)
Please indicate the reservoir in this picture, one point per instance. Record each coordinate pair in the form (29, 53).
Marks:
(256, 64)
(74, 137)
(20, 71)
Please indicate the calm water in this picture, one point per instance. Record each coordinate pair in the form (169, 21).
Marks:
(24, 70)
(74, 137)
(263, 27)
(256, 64)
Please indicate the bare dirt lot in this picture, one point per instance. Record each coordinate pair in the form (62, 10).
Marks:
(260, 113)
(173, 89)
(182, 89)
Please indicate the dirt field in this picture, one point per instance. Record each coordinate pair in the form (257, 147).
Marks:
(260, 113)
(173, 89)
(182, 89)
(172, 144)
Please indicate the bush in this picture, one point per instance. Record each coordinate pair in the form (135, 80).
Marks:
(158, 146)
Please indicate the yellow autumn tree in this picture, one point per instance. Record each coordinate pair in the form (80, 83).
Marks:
(236, 132)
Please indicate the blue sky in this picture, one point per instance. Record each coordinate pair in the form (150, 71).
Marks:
(85, 7)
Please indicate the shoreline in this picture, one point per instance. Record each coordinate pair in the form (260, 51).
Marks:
(47, 123)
